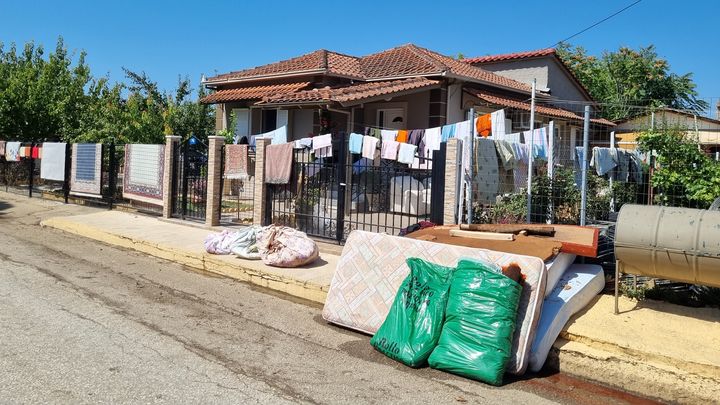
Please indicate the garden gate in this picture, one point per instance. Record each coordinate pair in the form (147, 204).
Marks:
(190, 175)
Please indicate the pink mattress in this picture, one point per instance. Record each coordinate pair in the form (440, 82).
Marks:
(372, 267)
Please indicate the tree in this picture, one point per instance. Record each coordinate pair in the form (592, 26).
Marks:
(631, 78)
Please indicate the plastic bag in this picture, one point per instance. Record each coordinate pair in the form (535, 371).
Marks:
(477, 335)
(412, 327)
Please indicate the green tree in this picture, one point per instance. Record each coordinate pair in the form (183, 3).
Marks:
(631, 77)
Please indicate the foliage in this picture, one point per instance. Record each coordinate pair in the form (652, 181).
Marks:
(629, 78)
(56, 97)
(684, 175)
(229, 132)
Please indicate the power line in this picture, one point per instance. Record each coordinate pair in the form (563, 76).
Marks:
(595, 25)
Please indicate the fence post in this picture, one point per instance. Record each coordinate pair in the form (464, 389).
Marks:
(68, 167)
(530, 153)
(437, 175)
(342, 187)
(169, 161)
(586, 146)
(450, 208)
(112, 175)
(214, 181)
(259, 203)
(31, 169)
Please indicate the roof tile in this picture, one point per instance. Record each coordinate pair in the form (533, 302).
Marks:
(252, 92)
(510, 56)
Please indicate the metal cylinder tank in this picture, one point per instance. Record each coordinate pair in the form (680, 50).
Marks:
(679, 244)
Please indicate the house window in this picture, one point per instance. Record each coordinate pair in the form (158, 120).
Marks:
(242, 122)
(274, 119)
(391, 118)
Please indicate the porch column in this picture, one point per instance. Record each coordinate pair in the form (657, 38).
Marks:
(170, 145)
(214, 180)
(451, 178)
(260, 188)
(438, 107)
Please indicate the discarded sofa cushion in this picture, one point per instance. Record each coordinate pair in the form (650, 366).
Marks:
(477, 336)
(412, 328)
(281, 246)
(372, 267)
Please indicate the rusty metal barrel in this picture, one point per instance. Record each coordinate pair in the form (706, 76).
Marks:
(679, 244)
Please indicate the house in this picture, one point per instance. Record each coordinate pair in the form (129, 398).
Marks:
(707, 130)
(405, 87)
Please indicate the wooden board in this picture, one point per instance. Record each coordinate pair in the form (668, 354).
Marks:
(481, 235)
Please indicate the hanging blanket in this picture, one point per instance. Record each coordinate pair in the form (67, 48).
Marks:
(278, 164)
(52, 165)
(144, 167)
(236, 161)
(2, 148)
(487, 174)
(85, 176)
(12, 151)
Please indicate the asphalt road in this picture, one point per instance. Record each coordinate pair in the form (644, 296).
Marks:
(83, 322)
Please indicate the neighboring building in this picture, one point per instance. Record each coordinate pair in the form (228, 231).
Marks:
(707, 130)
(404, 87)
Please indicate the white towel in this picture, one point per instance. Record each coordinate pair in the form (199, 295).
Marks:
(406, 154)
(369, 146)
(497, 120)
(388, 135)
(52, 164)
(303, 143)
(512, 138)
(433, 137)
(322, 141)
(389, 150)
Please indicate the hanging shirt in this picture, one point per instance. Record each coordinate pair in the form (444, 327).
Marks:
(388, 135)
(483, 125)
(355, 143)
(406, 153)
(369, 146)
(389, 150)
(447, 132)
(497, 122)
(416, 136)
(402, 136)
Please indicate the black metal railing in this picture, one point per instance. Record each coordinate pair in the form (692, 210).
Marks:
(190, 180)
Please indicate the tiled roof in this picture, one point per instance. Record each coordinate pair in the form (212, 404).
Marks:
(540, 109)
(510, 56)
(320, 61)
(351, 93)
(252, 93)
(403, 61)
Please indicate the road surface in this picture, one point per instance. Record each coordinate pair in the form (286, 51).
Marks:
(83, 322)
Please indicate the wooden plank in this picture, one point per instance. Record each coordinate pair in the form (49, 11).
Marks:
(482, 235)
(510, 228)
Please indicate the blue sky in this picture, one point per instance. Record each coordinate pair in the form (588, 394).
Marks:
(171, 38)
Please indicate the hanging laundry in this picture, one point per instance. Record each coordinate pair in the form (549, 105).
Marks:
(278, 136)
(389, 150)
(505, 152)
(447, 132)
(636, 168)
(497, 122)
(369, 146)
(406, 153)
(578, 165)
(236, 161)
(487, 175)
(24, 151)
(2, 148)
(416, 136)
(433, 138)
(538, 139)
(304, 143)
(361, 165)
(520, 150)
(144, 168)
(402, 136)
(278, 166)
(322, 141)
(463, 131)
(388, 135)
(483, 125)
(52, 166)
(622, 170)
(35, 152)
(355, 143)
(512, 138)
(604, 160)
(12, 151)
(85, 175)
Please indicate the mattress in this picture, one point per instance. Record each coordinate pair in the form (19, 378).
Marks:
(556, 268)
(144, 170)
(85, 175)
(372, 267)
(573, 292)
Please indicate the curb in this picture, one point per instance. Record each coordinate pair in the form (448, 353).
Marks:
(205, 262)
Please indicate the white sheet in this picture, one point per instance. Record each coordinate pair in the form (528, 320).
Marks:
(576, 288)
(12, 151)
(52, 164)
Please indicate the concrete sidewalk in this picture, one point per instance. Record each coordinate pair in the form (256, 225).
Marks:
(652, 348)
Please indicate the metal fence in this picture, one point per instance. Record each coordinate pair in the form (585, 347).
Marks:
(237, 197)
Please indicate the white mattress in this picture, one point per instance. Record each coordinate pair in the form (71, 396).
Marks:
(576, 288)
(372, 267)
(556, 268)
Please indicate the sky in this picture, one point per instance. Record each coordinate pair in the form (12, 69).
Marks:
(167, 39)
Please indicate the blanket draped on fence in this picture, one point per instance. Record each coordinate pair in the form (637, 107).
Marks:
(85, 178)
(144, 169)
(52, 164)
(236, 161)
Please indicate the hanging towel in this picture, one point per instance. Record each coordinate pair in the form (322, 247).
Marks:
(506, 154)
(35, 152)
(538, 139)
(433, 137)
(487, 174)
(322, 141)
(52, 166)
(483, 125)
(622, 170)
(402, 136)
(463, 131)
(355, 143)
(12, 151)
(512, 138)
(388, 135)
(447, 132)
(416, 136)
(303, 143)
(520, 150)
(236, 161)
(497, 122)
(604, 160)
(2, 148)
(278, 163)
(406, 153)
(24, 151)
(389, 150)
(369, 146)
(278, 136)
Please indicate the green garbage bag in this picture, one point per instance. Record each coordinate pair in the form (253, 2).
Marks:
(412, 327)
(477, 335)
